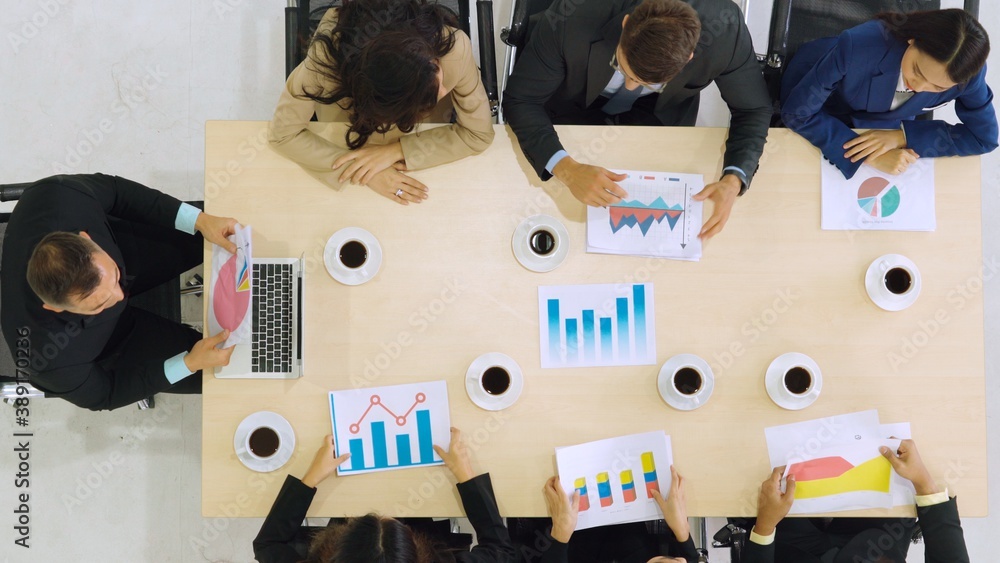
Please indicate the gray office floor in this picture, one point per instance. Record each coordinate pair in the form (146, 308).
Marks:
(126, 88)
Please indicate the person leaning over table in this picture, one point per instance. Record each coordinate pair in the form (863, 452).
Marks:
(880, 75)
(620, 543)
(380, 69)
(378, 538)
(637, 62)
(850, 540)
(75, 249)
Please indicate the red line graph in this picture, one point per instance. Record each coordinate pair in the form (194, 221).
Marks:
(377, 401)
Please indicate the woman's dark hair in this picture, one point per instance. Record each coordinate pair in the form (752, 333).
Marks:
(373, 539)
(952, 37)
(381, 56)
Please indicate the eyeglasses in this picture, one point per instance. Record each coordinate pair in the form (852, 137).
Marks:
(658, 89)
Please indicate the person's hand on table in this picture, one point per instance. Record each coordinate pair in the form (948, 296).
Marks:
(563, 509)
(674, 508)
(324, 464)
(206, 355)
(907, 463)
(390, 182)
(723, 194)
(216, 230)
(457, 457)
(592, 185)
(873, 144)
(894, 162)
(772, 504)
(364, 163)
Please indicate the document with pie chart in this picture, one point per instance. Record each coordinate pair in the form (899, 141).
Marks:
(232, 287)
(875, 201)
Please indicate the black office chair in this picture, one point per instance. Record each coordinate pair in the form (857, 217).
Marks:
(516, 34)
(302, 18)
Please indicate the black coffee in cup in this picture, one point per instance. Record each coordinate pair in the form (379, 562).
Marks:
(542, 242)
(898, 280)
(688, 381)
(798, 380)
(496, 380)
(264, 442)
(353, 254)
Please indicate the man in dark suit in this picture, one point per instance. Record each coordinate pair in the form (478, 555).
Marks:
(800, 540)
(637, 62)
(75, 248)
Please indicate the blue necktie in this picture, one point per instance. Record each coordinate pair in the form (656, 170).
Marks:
(622, 100)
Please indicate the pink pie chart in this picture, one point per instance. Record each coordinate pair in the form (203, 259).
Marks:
(230, 306)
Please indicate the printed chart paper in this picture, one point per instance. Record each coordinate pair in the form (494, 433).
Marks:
(876, 201)
(597, 325)
(232, 288)
(617, 477)
(386, 428)
(659, 217)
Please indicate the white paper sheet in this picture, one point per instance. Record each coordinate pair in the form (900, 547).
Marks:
(388, 428)
(597, 325)
(602, 469)
(872, 200)
(231, 293)
(903, 492)
(846, 476)
(802, 439)
(659, 217)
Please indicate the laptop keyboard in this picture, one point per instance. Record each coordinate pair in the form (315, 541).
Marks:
(272, 318)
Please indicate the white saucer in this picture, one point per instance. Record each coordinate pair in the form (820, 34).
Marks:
(352, 276)
(875, 282)
(479, 396)
(521, 243)
(675, 398)
(776, 388)
(285, 433)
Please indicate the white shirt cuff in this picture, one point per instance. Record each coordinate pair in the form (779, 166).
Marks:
(762, 540)
(187, 215)
(555, 160)
(931, 500)
(175, 369)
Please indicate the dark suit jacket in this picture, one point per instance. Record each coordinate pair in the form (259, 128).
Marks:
(73, 356)
(631, 546)
(851, 79)
(943, 539)
(565, 66)
(283, 523)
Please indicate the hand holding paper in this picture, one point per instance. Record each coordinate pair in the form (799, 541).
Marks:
(773, 504)
(906, 461)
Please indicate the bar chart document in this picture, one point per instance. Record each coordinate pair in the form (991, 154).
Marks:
(659, 217)
(386, 428)
(597, 325)
(617, 478)
(875, 201)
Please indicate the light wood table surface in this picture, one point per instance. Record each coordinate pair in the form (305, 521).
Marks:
(450, 290)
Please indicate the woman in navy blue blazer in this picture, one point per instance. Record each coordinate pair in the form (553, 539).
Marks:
(879, 76)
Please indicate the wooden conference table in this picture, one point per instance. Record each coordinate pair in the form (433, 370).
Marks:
(450, 289)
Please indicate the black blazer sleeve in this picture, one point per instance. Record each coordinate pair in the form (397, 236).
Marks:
(128, 200)
(756, 553)
(943, 537)
(272, 544)
(557, 552)
(744, 91)
(539, 72)
(98, 387)
(480, 505)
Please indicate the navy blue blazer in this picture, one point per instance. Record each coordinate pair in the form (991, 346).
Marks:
(836, 83)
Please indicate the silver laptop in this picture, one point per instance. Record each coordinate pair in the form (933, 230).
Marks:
(275, 350)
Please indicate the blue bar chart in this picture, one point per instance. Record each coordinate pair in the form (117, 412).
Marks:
(597, 325)
(388, 428)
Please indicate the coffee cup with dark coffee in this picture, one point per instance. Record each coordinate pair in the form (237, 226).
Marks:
(688, 380)
(353, 254)
(542, 241)
(495, 380)
(898, 280)
(798, 380)
(263, 442)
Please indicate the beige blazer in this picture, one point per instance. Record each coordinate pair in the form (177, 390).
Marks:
(425, 147)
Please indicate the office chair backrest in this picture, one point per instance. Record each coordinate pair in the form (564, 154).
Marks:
(520, 22)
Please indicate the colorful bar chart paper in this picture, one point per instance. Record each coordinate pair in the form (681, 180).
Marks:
(387, 428)
(609, 468)
(597, 325)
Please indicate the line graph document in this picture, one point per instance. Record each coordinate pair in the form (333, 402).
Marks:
(659, 218)
(386, 428)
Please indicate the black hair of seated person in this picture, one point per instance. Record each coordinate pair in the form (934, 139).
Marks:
(374, 539)
(952, 37)
(62, 266)
(379, 61)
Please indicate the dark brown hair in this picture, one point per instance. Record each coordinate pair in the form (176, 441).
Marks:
(62, 266)
(373, 539)
(952, 37)
(658, 39)
(380, 61)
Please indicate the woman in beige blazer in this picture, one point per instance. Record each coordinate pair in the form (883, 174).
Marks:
(378, 69)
